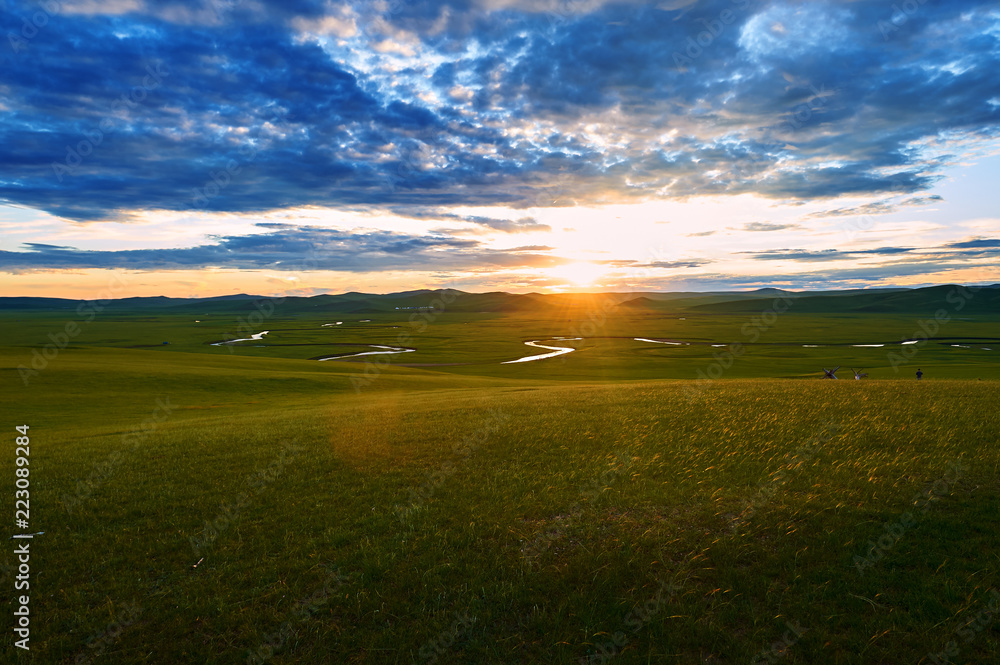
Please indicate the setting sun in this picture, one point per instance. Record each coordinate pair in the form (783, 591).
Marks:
(578, 273)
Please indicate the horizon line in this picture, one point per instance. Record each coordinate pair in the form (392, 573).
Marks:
(248, 296)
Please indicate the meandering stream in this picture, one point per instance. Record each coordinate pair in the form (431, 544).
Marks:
(389, 350)
(556, 350)
(561, 350)
(253, 338)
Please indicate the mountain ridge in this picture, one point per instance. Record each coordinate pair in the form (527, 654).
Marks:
(859, 301)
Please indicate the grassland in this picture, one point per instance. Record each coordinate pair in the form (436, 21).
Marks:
(200, 502)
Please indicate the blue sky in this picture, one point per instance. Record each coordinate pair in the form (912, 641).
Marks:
(202, 148)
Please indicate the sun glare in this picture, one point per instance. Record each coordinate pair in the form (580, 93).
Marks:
(578, 273)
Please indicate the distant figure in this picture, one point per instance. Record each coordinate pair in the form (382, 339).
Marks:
(919, 374)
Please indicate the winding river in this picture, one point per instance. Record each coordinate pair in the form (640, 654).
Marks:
(661, 341)
(388, 350)
(561, 350)
(253, 338)
(556, 350)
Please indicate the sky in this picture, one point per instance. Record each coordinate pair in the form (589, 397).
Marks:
(152, 147)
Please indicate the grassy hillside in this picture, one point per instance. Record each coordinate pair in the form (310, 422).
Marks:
(500, 520)
(710, 501)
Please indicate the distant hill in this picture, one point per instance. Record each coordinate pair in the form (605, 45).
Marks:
(28, 302)
(642, 302)
(238, 296)
(924, 301)
(860, 301)
(148, 302)
(751, 299)
(347, 303)
(688, 300)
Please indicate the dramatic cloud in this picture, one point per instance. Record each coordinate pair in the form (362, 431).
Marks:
(113, 108)
(493, 140)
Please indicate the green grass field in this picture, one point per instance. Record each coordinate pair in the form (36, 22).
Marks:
(244, 504)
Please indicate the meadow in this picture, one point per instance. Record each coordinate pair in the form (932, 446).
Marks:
(245, 504)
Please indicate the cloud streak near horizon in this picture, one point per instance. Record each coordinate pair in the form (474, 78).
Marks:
(286, 247)
(289, 248)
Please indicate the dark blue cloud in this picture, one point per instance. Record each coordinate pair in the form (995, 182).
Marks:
(977, 243)
(227, 106)
(884, 251)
